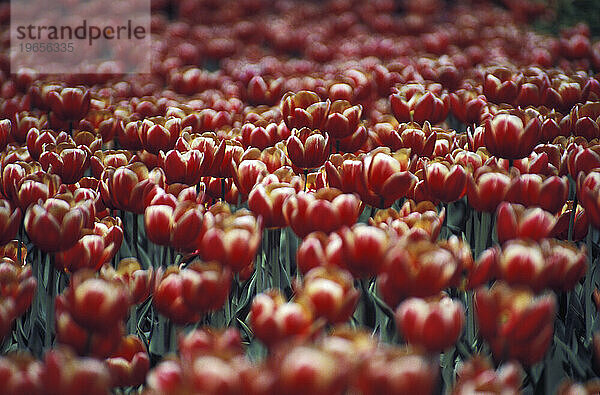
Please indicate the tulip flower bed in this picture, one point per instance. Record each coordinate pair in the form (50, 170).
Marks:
(337, 197)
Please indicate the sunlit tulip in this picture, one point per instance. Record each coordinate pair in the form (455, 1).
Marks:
(516, 323)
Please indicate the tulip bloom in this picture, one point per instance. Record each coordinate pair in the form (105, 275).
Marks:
(70, 104)
(233, 241)
(159, 134)
(10, 220)
(414, 103)
(274, 320)
(180, 226)
(342, 120)
(514, 221)
(329, 292)
(516, 323)
(138, 283)
(487, 188)
(393, 370)
(307, 148)
(263, 137)
(304, 109)
(510, 136)
(414, 221)
(181, 167)
(446, 182)
(267, 201)
(419, 269)
(66, 160)
(129, 364)
(326, 210)
(205, 286)
(126, 187)
(549, 193)
(55, 225)
(478, 375)
(433, 325)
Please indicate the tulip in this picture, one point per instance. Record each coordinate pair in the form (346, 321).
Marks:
(267, 201)
(342, 120)
(584, 120)
(499, 86)
(90, 252)
(37, 139)
(138, 283)
(96, 304)
(263, 137)
(21, 374)
(354, 142)
(24, 122)
(63, 373)
(478, 375)
(362, 249)
(66, 160)
(10, 221)
(84, 342)
(304, 109)
(129, 136)
(516, 324)
(233, 241)
(225, 343)
(580, 159)
(414, 221)
(168, 297)
(549, 193)
(275, 321)
(126, 187)
(205, 286)
(308, 149)
(433, 325)
(318, 249)
(326, 210)
(514, 221)
(159, 134)
(181, 226)
(512, 136)
(129, 364)
(395, 371)
(487, 188)
(563, 217)
(305, 369)
(330, 293)
(467, 106)
(418, 269)
(180, 167)
(249, 173)
(55, 225)
(261, 92)
(17, 286)
(105, 158)
(413, 103)
(70, 104)
(445, 182)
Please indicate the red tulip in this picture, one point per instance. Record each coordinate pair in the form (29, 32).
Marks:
(445, 182)
(512, 136)
(66, 160)
(267, 201)
(434, 325)
(478, 375)
(159, 134)
(63, 373)
(138, 283)
(205, 286)
(129, 364)
(415, 103)
(325, 210)
(308, 149)
(517, 324)
(329, 292)
(514, 221)
(234, 239)
(181, 167)
(56, 224)
(168, 297)
(304, 109)
(549, 193)
(413, 221)
(342, 119)
(70, 104)
(274, 320)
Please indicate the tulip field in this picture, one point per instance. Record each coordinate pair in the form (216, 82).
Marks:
(309, 197)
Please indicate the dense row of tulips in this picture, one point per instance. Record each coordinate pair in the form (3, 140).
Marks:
(357, 201)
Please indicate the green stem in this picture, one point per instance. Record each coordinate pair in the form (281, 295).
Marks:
(51, 294)
(572, 217)
(587, 286)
